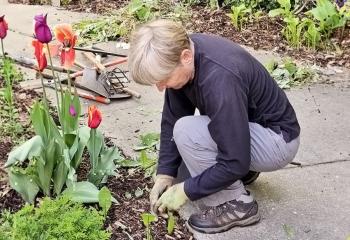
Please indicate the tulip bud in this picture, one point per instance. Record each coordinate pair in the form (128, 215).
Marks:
(72, 111)
(42, 30)
(95, 117)
(3, 27)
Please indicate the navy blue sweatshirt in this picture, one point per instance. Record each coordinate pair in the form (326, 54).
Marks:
(232, 88)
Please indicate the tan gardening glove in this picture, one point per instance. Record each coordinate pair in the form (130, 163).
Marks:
(161, 184)
(172, 199)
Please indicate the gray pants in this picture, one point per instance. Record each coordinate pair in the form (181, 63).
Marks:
(269, 152)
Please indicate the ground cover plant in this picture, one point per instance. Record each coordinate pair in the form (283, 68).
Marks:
(54, 219)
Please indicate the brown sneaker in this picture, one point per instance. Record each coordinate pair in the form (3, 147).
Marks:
(239, 212)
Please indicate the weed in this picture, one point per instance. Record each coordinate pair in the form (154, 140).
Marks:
(289, 74)
(9, 123)
(120, 23)
(147, 219)
(239, 15)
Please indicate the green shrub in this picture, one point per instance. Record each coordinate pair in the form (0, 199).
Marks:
(53, 219)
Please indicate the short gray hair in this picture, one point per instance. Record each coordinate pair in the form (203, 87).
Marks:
(155, 51)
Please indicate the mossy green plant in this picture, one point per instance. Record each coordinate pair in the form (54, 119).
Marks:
(54, 219)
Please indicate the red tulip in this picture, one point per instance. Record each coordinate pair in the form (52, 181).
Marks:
(3, 27)
(65, 35)
(42, 30)
(95, 117)
(39, 54)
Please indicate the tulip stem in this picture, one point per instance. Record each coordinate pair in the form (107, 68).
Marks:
(44, 91)
(2, 48)
(69, 81)
(60, 114)
(93, 138)
(54, 79)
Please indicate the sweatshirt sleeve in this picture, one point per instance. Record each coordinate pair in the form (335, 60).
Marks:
(226, 102)
(176, 105)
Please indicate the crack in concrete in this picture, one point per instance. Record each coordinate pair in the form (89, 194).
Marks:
(317, 164)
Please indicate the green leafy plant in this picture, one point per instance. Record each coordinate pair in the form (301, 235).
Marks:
(47, 162)
(120, 23)
(100, 30)
(288, 74)
(171, 223)
(239, 15)
(54, 219)
(312, 35)
(328, 17)
(293, 30)
(285, 9)
(9, 123)
(141, 9)
(147, 163)
(147, 219)
(148, 141)
(105, 200)
(101, 158)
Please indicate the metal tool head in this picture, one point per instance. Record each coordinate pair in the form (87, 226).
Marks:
(99, 83)
(90, 82)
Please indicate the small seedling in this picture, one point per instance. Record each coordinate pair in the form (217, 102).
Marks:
(148, 141)
(147, 219)
(105, 200)
(171, 223)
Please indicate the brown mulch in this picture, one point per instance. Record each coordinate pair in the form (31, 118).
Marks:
(264, 33)
(130, 210)
(9, 198)
(100, 7)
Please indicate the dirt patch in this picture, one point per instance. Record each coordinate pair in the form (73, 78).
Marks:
(265, 34)
(129, 213)
(97, 6)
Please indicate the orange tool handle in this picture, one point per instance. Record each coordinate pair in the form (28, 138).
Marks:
(94, 98)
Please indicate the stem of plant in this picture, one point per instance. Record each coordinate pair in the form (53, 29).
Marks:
(44, 91)
(69, 81)
(2, 48)
(93, 136)
(56, 90)
(54, 80)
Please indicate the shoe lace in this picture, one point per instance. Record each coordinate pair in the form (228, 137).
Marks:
(214, 211)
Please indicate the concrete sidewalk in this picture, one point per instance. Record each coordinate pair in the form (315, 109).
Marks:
(312, 202)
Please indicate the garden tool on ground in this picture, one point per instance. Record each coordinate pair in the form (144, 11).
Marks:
(99, 51)
(80, 93)
(110, 82)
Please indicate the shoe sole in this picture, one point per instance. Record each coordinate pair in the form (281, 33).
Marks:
(242, 223)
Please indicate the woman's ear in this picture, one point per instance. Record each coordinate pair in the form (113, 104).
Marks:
(186, 57)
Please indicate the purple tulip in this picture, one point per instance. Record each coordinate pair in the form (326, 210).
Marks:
(340, 3)
(42, 30)
(72, 111)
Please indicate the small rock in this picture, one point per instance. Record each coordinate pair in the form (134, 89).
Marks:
(22, 96)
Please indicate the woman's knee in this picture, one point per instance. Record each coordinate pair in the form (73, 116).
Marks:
(192, 131)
